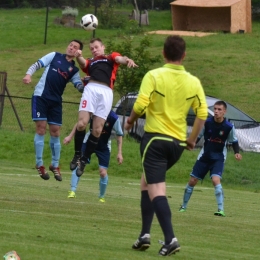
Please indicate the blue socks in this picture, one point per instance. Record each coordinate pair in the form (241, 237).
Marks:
(187, 195)
(103, 186)
(38, 147)
(74, 180)
(55, 150)
(102, 183)
(219, 196)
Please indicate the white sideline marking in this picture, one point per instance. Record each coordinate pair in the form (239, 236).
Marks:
(175, 186)
(130, 183)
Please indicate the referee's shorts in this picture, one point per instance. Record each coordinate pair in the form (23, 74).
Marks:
(159, 153)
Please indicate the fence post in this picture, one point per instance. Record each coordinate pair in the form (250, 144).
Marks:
(3, 89)
(3, 76)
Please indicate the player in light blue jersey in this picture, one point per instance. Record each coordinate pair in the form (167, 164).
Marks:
(59, 69)
(217, 133)
(102, 151)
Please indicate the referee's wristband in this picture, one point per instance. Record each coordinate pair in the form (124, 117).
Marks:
(128, 122)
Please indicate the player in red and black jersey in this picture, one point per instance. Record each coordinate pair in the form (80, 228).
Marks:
(97, 97)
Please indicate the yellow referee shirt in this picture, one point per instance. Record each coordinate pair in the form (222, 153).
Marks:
(166, 95)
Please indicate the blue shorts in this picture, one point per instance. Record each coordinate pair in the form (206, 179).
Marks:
(201, 168)
(159, 153)
(46, 110)
(103, 156)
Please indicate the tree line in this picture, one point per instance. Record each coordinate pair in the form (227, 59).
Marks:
(142, 5)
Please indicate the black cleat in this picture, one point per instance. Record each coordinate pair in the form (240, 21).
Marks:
(74, 162)
(170, 249)
(142, 243)
(81, 166)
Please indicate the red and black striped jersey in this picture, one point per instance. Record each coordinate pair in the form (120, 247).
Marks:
(103, 68)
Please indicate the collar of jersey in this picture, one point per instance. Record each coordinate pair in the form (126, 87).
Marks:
(173, 66)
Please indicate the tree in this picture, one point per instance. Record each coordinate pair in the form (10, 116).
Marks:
(129, 80)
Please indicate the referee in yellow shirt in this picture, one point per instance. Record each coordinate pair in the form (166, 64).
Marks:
(166, 95)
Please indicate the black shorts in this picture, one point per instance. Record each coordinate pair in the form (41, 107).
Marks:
(159, 153)
(47, 110)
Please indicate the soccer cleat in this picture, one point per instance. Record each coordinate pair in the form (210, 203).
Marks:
(56, 172)
(182, 209)
(220, 213)
(170, 249)
(142, 243)
(74, 162)
(72, 194)
(42, 172)
(102, 200)
(81, 166)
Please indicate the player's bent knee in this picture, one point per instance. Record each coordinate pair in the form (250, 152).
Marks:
(102, 174)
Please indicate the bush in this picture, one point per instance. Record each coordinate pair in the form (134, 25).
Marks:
(108, 18)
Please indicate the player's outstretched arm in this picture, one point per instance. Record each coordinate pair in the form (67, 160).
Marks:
(238, 156)
(68, 138)
(80, 59)
(119, 149)
(197, 127)
(27, 79)
(125, 61)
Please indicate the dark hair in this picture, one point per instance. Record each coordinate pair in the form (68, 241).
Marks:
(96, 40)
(221, 103)
(79, 42)
(174, 48)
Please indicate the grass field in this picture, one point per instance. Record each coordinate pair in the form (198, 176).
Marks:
(227, 64)
(40, 222)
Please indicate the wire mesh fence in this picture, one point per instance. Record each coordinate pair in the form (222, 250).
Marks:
(16, 116)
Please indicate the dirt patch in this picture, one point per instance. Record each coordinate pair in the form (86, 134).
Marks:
(182, 33)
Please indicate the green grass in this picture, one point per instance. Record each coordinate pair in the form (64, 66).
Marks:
(40, 222)
(227, 64)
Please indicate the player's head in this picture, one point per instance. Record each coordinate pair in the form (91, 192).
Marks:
(79, 42)
(74, 46)
(96, 47)
(174, 48)
(220, 108)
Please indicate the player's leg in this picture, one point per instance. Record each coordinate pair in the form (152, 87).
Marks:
(73, 184)
(80, 132)
(161, 154)
(74, 178)
(103, 181)
(100, 105)
(199, 171)
(39, 115)
(86, 109)
(216, 175)
(103, 161)
(55, 121)
(147, 213)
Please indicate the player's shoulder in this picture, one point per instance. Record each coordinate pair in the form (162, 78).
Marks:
(114, 54)
(228, 123)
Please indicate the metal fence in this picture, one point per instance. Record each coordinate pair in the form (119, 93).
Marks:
(16, 116)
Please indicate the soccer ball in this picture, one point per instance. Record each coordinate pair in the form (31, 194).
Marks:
(12, 255)
(89, 22)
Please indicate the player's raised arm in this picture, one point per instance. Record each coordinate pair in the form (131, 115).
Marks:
(125, 61)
